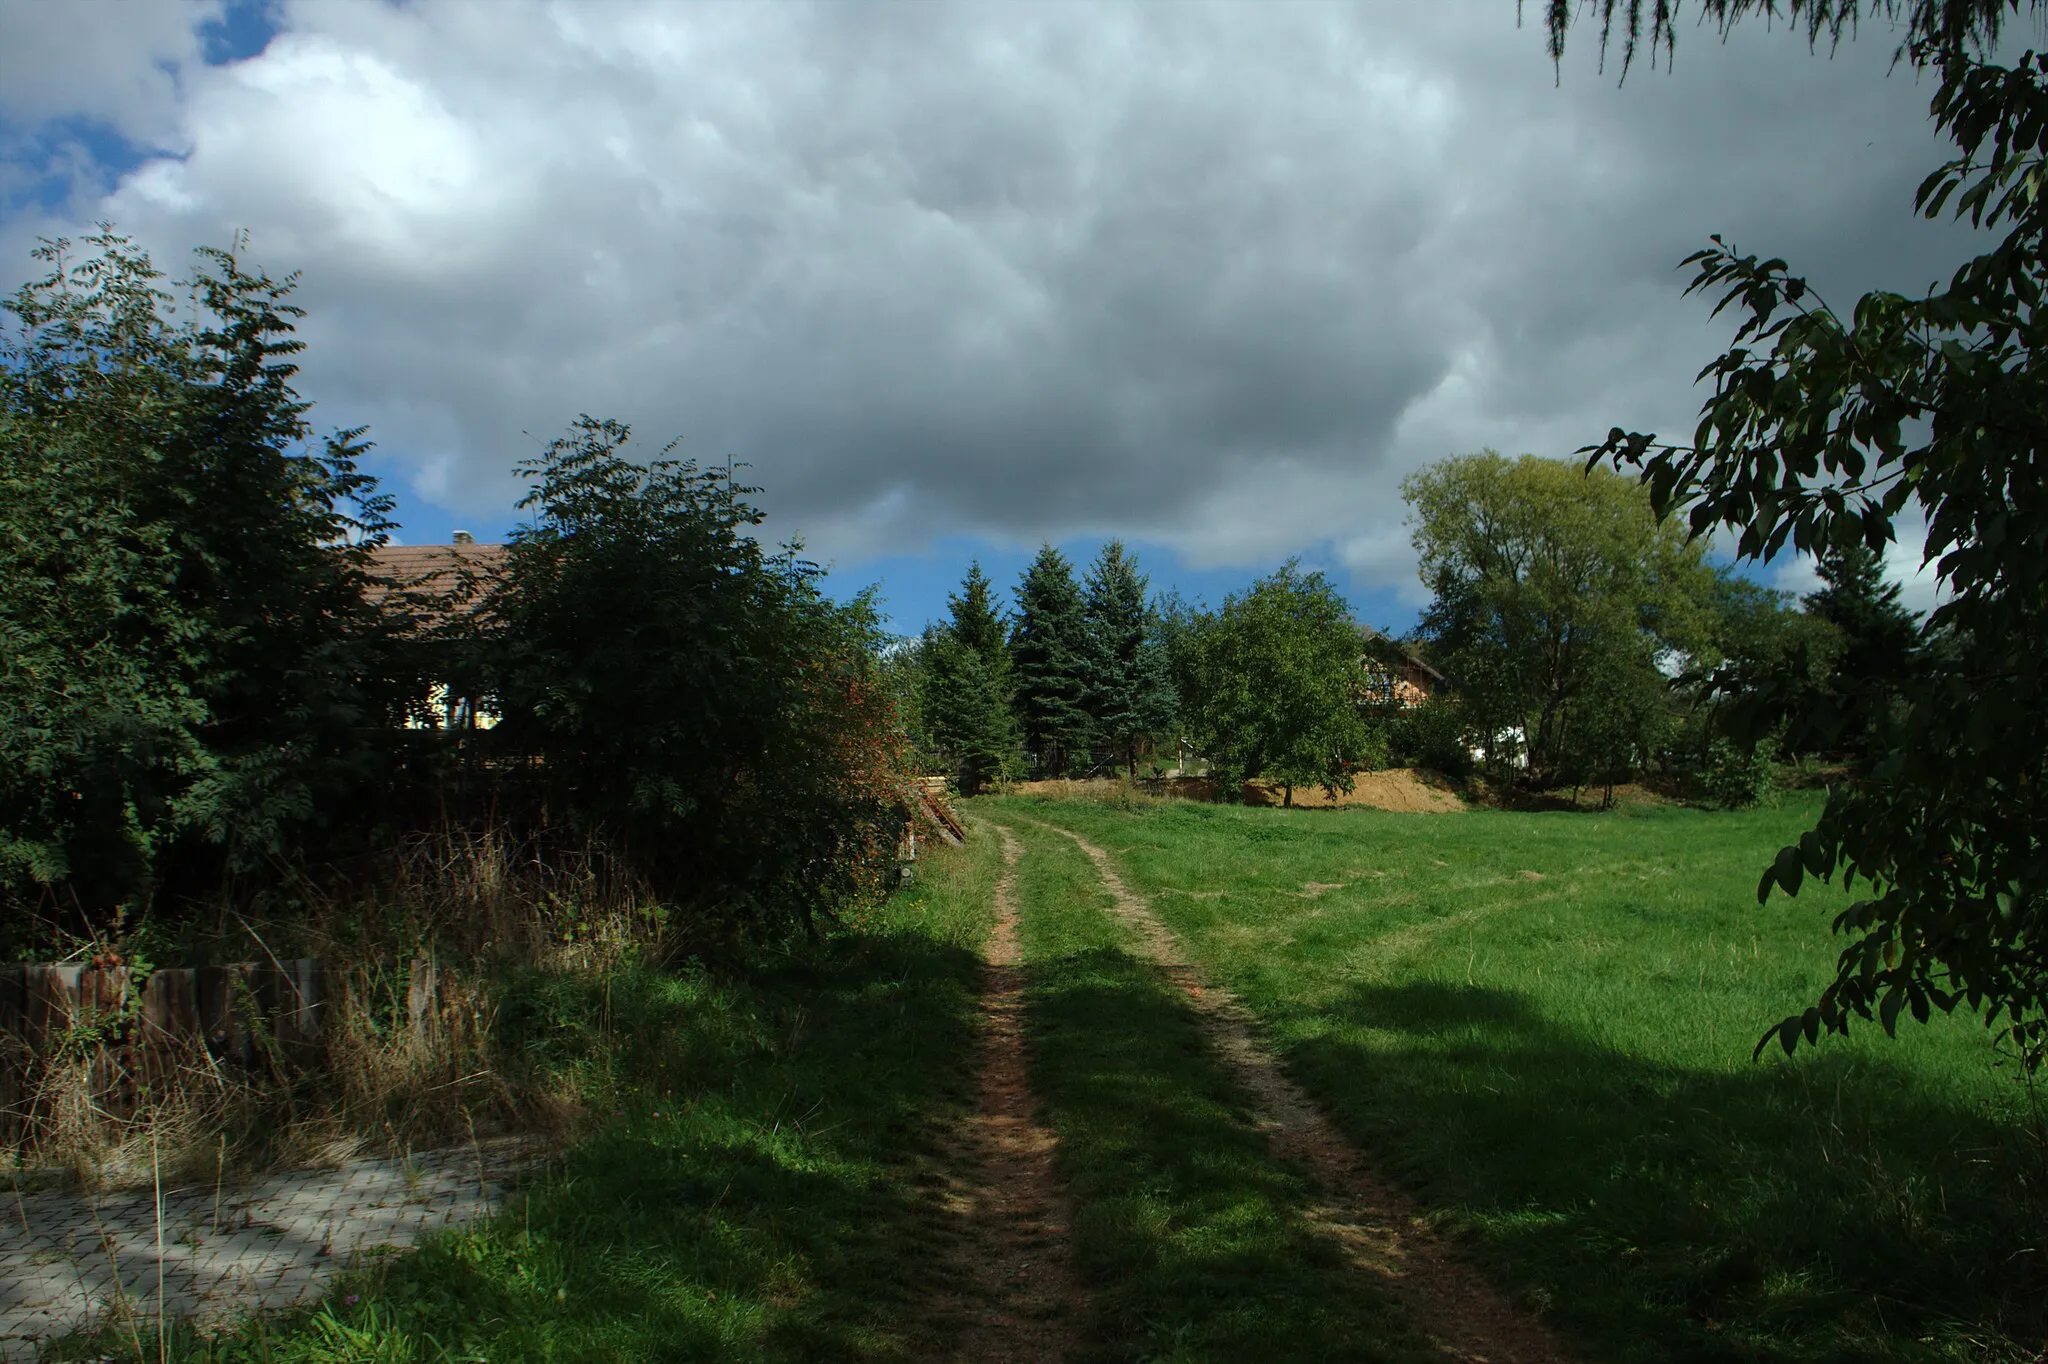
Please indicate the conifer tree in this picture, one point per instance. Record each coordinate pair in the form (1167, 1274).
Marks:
(1046, 651)
(968, 696)
(1879, 648)
(1128, 686)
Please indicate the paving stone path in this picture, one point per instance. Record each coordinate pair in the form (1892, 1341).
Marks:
(69, 1259)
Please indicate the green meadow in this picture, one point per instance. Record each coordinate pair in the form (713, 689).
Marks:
(1543, 1025)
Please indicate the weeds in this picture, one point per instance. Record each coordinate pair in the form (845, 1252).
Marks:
(424, 946)
(753, 1177)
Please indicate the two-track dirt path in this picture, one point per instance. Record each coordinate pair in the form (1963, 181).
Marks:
(1026, 1305)
(1377, 1226)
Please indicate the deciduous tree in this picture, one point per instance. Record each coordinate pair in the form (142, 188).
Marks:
(1823, 428)
(694, 699)
(188, 665)
(1280, 685)
(1555, 594)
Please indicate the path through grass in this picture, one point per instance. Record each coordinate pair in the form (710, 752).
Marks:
(1543, 1023)
(1189, 1232)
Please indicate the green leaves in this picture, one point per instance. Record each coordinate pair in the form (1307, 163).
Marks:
(970, 689)
(1556, 590)
(690, 695)
(190, 659)
(1279, 679)
(1818, 433)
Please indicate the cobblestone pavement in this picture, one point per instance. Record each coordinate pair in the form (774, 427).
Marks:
(67, 1259)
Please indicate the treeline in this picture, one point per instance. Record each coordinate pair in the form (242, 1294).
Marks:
(1573, 640)
(1092, 677)
(206, 685)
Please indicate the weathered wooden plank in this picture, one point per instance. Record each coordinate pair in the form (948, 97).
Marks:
(301, 1011)
(224, 1008)
(422, 996)
(226, 995)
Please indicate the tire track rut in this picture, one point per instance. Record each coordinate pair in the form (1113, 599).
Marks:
(1375, 1224)
(1026, 1304)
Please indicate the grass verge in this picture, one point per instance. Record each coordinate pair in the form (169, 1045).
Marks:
(1186, 1230)
(756, 1192)
(1543, 1024)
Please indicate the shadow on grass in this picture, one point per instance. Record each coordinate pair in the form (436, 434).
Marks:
(1190, 1233)
(753, 1195)
(1826, 1209)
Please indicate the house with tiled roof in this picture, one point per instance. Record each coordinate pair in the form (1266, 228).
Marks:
(1395, 679)
(434, 585)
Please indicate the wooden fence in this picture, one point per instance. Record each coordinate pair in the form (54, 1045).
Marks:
(249, 1015)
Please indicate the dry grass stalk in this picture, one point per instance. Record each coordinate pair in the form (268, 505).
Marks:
(415, 945)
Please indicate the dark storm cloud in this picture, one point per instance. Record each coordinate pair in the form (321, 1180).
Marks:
(1216, 275)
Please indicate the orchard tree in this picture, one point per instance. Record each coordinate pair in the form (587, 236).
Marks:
(1555, 595)
(1822, 429)
(1128, 685)
(1047, 651)
(1281, 679)
(968, 696)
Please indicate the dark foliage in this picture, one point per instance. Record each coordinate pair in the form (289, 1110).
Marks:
(187, 661)
(969, 691)
(1822, 429)
(1878, 648)
(690, 696)
(1128, 683)
(1047, 645)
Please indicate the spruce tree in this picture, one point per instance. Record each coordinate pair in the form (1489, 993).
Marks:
(1880, 641)
(968, 698)
(1046, 647)
(1128, 686)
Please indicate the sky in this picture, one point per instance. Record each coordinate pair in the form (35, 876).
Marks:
(955, 279)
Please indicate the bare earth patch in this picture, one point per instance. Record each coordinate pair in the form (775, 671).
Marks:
(1026, 1304)
(1377, 1226)
(1400, 789)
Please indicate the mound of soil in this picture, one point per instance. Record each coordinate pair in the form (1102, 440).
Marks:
(1400, 788)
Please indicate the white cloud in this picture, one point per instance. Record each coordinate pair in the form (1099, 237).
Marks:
(120, 64)
(1217, 275)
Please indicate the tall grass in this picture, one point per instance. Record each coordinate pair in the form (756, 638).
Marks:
(758, 1174)
(424, 945)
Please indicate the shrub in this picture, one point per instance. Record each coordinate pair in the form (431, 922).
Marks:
(188, 665)
(1432, 735)
(692, 698)
(1734, 777)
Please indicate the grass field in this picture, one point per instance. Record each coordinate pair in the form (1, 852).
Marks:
(1540, 1023)
(1543, 1024)
(1187, 1231)
(760, 1193)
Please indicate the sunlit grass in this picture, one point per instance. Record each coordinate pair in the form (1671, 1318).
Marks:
(1544, 1022)
(1187, 1230)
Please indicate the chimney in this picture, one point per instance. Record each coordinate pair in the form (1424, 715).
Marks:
(463, 537)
